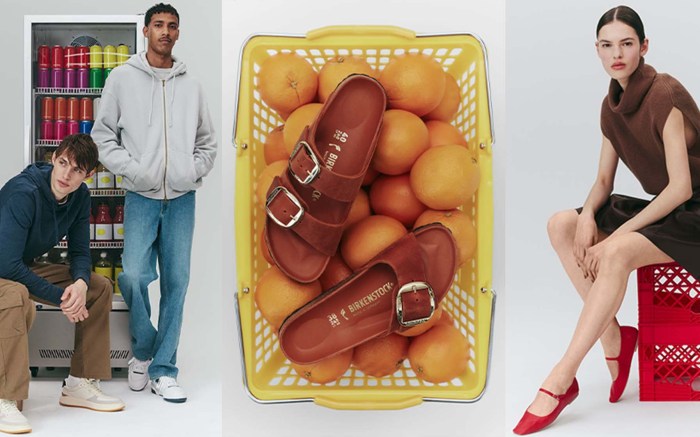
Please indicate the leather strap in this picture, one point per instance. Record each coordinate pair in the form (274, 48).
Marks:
(327, 182)
(547, 392)
(322, 236)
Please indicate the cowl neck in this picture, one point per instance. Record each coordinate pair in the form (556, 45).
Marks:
(628, 100)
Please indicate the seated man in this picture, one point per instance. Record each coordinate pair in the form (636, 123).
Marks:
(40, 206)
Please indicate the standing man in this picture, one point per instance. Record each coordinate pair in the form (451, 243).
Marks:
(154, 129)
(40, 206)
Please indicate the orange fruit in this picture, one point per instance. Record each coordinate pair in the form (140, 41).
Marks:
(286, 81)
(336, 271)
(441, 133)
(459, 224)
(444, 177)
(419, 329)
(277, 296)
(366, 238)
(448, 106)
(336, 69)
(439, 355)
(297, 121)
(381, 356)
(326, 370)
(273, 148)
(263, 248)
(265, 179)
(413, 82)
(393, 196)
(401, 141)
(359, 209)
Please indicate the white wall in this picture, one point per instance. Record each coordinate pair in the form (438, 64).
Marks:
(199, 47)
(242, 18)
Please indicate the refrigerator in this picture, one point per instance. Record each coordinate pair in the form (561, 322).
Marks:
(66, 59)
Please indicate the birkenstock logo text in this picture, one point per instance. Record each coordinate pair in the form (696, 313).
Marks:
(371, 298)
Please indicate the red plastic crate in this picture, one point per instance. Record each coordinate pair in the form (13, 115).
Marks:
(667, 293)
(669, 334)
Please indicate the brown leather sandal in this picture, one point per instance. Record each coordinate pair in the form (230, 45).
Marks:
(399, 288)
(308, 204)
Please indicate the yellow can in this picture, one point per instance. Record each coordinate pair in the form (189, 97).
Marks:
(110, 56)
(96, 56)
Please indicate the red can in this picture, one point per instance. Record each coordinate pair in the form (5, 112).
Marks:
(57, 57)
(83, 56)
(85, 108)
(43, 57)
(69, 54)
(73, 109)
(47, 108)
(60, 103)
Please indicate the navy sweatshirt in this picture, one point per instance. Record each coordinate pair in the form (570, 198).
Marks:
(32, 222)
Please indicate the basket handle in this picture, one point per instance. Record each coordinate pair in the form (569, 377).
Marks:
(368, 404)
(359, 31)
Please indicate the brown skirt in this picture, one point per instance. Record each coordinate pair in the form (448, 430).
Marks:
(677, 234)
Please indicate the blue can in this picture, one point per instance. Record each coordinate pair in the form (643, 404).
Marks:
(86, 127)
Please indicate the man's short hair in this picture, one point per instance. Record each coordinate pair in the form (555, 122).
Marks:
(158, 9)
(81, 149)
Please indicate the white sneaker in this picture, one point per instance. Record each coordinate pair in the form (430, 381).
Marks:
(11, 420)
(169, 389)
(88, 394)
(138, 373)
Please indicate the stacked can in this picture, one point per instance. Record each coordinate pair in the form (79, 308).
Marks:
(44, 63)
(73, 116)
(70, 76)
(82, 64)
(122, 54)
(47, 113)
(97, 77)
(110, 59)
(60, 129)
(57, 62)
(85, 115)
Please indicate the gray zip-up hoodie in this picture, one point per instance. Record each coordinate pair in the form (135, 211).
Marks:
(156, 133)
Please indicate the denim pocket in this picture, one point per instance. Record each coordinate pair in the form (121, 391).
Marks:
(12, 321)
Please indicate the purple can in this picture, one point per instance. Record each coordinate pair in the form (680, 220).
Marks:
(73, 127)
(43, 78)
(57, 78)
(60, 129)
(83, 78)
(70, 78)
(86, 127)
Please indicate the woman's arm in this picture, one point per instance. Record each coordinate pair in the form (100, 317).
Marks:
(679, 188)
(586, 228)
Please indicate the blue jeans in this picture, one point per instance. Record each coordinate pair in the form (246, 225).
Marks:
(162, 230)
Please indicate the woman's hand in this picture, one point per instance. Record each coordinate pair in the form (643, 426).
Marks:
(586, 237)
(591, 263)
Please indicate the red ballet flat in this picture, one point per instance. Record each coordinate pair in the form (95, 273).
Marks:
(628, 344)
(532, 423)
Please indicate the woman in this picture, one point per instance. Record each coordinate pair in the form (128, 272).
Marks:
(651, 123)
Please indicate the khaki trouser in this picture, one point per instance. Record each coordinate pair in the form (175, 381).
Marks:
(91, 348)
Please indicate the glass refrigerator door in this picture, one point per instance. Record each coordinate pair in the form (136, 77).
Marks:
(66, 61)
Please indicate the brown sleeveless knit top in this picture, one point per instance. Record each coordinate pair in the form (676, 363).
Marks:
(633, 120)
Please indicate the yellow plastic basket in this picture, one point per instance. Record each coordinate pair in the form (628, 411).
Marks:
(268, 376)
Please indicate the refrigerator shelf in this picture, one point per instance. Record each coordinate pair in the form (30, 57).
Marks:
(69, 91)
(107, 192)
(95, 245)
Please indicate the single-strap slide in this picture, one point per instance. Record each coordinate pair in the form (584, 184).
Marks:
(308, 204)
(399, 288)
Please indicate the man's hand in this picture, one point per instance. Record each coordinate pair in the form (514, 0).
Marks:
(73, 301)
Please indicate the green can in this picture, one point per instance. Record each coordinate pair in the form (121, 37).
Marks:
(97, 78)
(107, 71)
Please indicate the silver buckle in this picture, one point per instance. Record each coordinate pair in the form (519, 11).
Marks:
(414, 287)
(311, 174)
(293, 218)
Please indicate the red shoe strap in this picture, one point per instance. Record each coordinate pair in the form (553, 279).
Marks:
(617, 358)
(547, 392)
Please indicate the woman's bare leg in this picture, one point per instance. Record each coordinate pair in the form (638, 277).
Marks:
(622, 255)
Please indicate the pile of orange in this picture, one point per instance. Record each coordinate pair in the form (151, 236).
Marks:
(422, 172)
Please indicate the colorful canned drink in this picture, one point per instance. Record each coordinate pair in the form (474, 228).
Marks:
(86, 109)
(73, 109)
(73, 128)
(57, 78)
(110, 56)
(122, 54)
(86, 127)
(47, 107)
(83, 57)
(47, 130)
(60, 104)
(43, 56)
(43, 78)
(107, 72)
(96, 106)
(69, 53)
(57, 60)
(97, 78)
(83, 78)
(70, 78)
(60, 129)
(95, 56)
